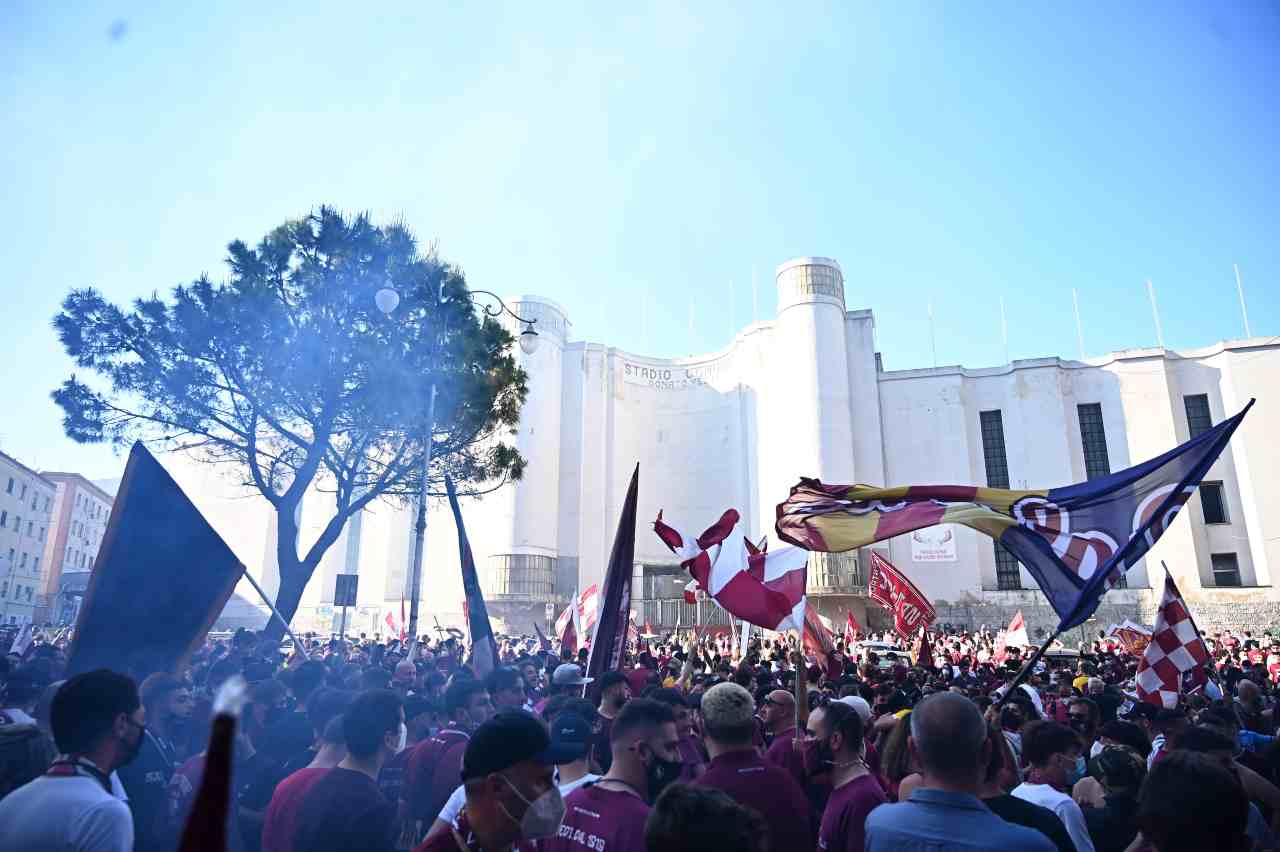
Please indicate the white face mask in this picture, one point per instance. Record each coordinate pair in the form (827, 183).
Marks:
(543, 816)
(1096, 750)
(404, 737)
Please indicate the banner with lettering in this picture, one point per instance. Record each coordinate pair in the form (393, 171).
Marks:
(888, 587)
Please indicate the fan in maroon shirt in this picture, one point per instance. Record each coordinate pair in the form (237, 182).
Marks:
(508, 775)
(837, 733)
(282, 813)
(344, 809)
(738, 770)
(609, 815)
(432, 770)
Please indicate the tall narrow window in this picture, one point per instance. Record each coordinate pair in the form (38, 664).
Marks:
(1198, 418)
(997, 466)
(1214, 503)
(1093, 438)
(1226, 571)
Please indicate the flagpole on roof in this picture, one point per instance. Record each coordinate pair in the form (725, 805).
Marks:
(933, 337)
(1155, 313)
(1075, 303)
(1004, 331)
(1244, 311)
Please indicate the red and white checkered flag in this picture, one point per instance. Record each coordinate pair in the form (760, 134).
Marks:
(1176, 651)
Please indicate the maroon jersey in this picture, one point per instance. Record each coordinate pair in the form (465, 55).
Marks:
(767, 789)
(844, 821)
(432, 772)
(600, 819)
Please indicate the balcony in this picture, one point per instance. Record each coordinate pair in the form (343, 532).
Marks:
(836, 574)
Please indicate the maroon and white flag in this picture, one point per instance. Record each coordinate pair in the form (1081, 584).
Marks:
(1175, 659)
(763, 588)
(888, 587)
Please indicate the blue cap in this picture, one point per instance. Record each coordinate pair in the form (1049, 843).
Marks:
(571, 734)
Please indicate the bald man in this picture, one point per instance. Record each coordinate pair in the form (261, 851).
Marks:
(778, 709)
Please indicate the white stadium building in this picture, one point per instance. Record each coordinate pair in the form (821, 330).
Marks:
(806, 395)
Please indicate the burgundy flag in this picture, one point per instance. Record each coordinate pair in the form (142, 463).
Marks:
(1175, 659)
(609, 639)
(888, 587)
(851, 630)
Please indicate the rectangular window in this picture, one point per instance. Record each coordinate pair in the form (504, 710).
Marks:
(4, 588)
(43, 530)
(1007, 576)
(22, 563)
(1093, 438)
(1198, 418)
(28, 593)
(1226, 571)
(997, 468)
(35, 566)
(23, 495)
(993, 451)
(1214, 502)
(17, 525)
(9, 489)
(31, 529)
(46, 504)
(4, 519)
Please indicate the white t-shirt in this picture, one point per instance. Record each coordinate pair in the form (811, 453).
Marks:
(453, 807)
(72, 814)
(1063, 807)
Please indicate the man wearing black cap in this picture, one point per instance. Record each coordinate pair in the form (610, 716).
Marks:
(512, 799)
(610, 814)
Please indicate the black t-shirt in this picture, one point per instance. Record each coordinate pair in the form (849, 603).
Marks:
(1021, 812)
(1113, 826)
(146, 781)
(344, 811)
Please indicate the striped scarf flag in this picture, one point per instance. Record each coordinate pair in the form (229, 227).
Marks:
(761, 587)
(1076, 541)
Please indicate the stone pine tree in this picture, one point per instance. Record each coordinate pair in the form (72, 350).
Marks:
(289, 375)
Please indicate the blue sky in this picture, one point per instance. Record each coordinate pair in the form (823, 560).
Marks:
(943, 152)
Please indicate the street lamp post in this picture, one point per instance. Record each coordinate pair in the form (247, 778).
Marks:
(387, 300)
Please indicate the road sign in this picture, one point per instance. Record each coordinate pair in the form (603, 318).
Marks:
(344, 592)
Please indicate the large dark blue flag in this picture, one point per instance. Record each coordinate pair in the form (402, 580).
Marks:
(484, 649)
(1076, 541)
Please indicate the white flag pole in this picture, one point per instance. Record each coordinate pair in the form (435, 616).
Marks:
(1244, 311)
(1075, 303)
(1155, 313)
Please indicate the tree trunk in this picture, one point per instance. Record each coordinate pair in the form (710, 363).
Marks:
(294, 572)
(293, 580)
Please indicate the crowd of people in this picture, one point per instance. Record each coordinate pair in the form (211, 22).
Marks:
(691, 744)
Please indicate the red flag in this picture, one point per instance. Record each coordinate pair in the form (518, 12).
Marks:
(391, 622)
(851, 630)
(924, 655)
(1016, 633)
(1174, 661)
(816, 638)
(888, 587)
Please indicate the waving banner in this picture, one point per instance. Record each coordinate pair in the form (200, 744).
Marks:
(1076, 541)
(888, 587)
